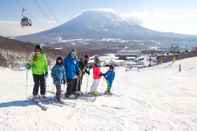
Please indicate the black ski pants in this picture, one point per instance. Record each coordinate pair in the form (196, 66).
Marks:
(58, 92)
(71, 87)
(39, 82)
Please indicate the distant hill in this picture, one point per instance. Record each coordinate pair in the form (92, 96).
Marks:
(13, 53)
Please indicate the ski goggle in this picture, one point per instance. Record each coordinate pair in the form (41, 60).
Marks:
(37, 50)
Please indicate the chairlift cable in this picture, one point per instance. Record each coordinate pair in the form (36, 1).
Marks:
(51, 11)
(41, 9)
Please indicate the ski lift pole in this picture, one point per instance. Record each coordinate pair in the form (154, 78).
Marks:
(23, 10)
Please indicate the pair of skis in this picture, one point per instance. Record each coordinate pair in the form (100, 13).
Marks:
(42, 103)
(87, 97)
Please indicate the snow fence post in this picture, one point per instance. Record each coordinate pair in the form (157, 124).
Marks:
(180, 69)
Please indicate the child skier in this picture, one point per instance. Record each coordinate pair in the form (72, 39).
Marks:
(59, 76)
(96, 76)
(109, 76)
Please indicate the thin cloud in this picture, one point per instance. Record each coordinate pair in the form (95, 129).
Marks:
(178, 21)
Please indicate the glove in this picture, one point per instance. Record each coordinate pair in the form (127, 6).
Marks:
(46, 74)
(28, 66)
(64, 82)
(87, 71)
(101, 74)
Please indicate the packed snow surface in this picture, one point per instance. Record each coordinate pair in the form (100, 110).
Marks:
(159, 98)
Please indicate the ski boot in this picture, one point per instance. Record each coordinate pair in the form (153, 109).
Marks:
(95, 93)
(35, 98)
(43, 98)
(78, 93)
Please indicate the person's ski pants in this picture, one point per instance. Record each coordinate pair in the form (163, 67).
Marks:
(71, 87)
(109, 85)
(95, 85)
(58, 92)
(79, 84)
(39, 82)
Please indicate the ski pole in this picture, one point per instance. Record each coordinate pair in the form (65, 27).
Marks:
(64, 88)
(87, 83)
(26, 83)
(77, 84)
(105, 83)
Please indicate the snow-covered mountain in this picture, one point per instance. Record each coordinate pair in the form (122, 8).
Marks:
(153, 99)
(96, 25)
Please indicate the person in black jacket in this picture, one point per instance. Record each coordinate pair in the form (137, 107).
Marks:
(84, 68)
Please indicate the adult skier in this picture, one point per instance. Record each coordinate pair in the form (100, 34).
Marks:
(39, 66)
(72, 72)
(84, 68)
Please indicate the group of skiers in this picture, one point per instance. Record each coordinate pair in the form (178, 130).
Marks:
(70, 71)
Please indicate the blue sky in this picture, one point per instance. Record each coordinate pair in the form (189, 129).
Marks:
(63, 9)
(164, 15)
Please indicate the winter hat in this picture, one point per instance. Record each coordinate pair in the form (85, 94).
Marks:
(96, 60)
(111, 67)
(86, 56)
(81, 59)
(59, 59)
(73, 53)
(37, 48)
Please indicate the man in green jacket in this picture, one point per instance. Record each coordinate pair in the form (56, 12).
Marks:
(39, 66)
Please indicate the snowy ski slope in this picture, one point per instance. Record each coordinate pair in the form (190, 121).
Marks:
(154, 99)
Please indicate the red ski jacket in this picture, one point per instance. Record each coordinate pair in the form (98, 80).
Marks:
(96, 72)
